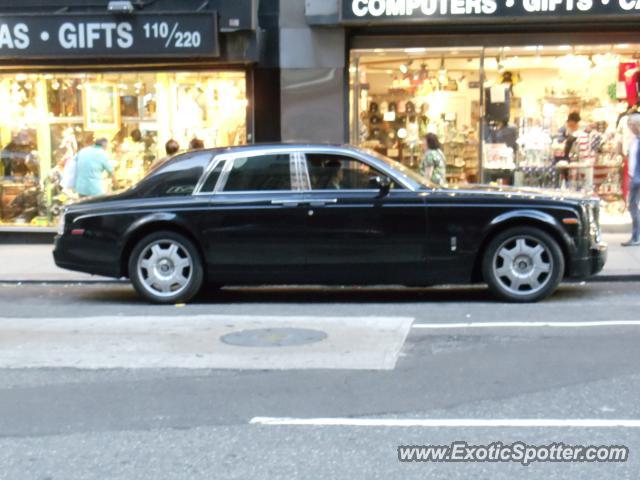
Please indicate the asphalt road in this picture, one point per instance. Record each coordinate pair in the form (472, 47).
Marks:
(195, 423)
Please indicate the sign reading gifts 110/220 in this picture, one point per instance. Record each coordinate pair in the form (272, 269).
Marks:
(149, 35)
(523, 10)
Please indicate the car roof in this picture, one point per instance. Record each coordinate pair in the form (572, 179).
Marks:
(255, 147)
(276, 146)
(183, 155)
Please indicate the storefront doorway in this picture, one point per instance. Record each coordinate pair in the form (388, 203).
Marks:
(501, 112)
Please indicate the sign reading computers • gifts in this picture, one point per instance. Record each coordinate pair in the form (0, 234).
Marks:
(429, 11)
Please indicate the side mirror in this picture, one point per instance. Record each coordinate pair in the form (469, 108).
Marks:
(382, 183)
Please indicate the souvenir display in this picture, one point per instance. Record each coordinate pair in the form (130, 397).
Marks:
(50, 117)
(531, 116)
(395, 116)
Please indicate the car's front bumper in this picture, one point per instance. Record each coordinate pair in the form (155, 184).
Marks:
(591, 264)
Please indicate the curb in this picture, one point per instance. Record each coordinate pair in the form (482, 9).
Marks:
(22, 237)
(632, 277)
(63, 282)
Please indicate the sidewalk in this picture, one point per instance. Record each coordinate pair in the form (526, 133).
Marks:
(621, 260)
(35, 262)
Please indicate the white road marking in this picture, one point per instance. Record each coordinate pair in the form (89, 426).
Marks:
(604, 323)
(193, 341)
(451, 422)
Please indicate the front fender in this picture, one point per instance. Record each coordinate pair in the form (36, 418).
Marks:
(533, 217)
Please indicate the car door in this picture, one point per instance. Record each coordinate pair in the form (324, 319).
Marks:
(254, 226)
(355, 234)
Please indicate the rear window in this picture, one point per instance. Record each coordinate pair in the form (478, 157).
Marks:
(177, 177)
(264, 172)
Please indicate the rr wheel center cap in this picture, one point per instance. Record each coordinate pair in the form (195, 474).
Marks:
(165, 267)
(523, 264)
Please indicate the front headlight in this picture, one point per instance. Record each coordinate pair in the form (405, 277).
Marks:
(593, 214)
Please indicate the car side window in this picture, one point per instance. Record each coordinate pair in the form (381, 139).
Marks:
(337, 172)
(262, 172)
(178, 177)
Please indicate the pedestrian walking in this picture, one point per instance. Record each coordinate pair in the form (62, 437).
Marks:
(433, 165)
(633, 168)
(91, 164)
(196, 144)
(171, 147)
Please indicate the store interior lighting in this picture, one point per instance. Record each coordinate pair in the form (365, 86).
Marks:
(538, 59)
(442, 73)
(499, 65)
(404, 67)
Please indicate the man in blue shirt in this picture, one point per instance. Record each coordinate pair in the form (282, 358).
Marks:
(91, 163)
(634, 181)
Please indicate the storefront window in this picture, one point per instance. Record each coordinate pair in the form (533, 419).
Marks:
(48, 118)
(538, 115)
(401, 95)
(559, 120)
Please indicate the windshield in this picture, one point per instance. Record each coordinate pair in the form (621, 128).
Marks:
(413, 177)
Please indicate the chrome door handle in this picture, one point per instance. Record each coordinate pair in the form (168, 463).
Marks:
(285, 203)
(322, 201)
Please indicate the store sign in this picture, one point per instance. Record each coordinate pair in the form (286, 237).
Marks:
(372, 11)
(95, 36)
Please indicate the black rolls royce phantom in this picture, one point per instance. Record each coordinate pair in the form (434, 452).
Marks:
(318, 214)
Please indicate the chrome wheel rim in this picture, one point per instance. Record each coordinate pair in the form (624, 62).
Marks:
(165, 268)
(523, 265)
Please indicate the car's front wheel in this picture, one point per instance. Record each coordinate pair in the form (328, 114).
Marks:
(165, 267)
(523, 264)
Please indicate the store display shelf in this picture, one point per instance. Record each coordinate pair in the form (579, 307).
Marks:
(65, 120)
(610, 196)
(563, 100)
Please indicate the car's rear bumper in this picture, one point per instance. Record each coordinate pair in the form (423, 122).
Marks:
(591, 264)
(75, 253)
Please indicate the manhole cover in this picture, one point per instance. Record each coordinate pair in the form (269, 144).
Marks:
(274, 337)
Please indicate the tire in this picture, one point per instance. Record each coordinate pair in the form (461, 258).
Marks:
(166, 267)
(523, 264)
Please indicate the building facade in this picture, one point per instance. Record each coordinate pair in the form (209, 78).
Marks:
(495, 80)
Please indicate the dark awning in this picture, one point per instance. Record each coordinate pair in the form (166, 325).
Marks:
(234, 15)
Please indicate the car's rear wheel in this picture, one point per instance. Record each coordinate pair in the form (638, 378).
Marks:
(165, 267)
(523, 264)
